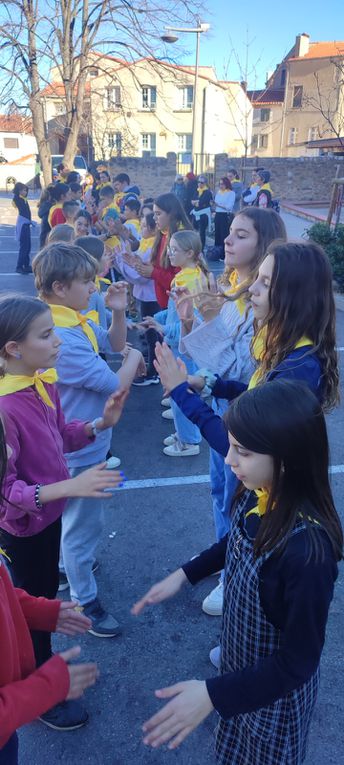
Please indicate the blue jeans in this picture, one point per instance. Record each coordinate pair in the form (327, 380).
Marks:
(9, 752)
(82, 525)
(187, 432)
(223, 484)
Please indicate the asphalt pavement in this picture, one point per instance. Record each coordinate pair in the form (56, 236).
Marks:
(161, 518)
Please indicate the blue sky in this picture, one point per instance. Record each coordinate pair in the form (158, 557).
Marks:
(268, 27)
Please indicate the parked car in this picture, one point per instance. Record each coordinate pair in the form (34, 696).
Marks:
(79, 163)
(22, 169)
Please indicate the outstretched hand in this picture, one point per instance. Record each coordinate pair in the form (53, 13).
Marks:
(172, 372)
(70, 621)
(161, 591)
(114, 407)
(190, 705)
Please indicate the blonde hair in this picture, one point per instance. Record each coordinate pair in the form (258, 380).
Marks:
(62, 263)
(63, 232)
(191, 240)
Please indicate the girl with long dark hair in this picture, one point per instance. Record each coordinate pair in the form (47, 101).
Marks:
(23, 227)
(280, 559)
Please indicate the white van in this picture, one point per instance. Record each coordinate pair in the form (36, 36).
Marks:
(79, 163)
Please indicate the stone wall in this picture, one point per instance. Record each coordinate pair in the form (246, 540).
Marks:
(297, 179)
(154, 175)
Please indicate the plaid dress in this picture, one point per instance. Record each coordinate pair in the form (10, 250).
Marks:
(276, 734)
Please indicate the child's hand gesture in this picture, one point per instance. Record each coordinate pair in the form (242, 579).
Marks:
(184, 303)
(190, 705)
(148, 322)
(144, 269)
(71, 621)
(81, 676)
(116, 296)
(209, 305)
(161, 591)
(172, 372)
(92, 482)
(113, 408)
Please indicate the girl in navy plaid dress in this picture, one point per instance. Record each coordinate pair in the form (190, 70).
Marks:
(280, 559)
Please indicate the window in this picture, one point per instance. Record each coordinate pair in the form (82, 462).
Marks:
(265, 115)
(113, 97)
(184, 142)
(149, 97)
(312, 133)
(254, 142)
(93, 72)
(297, 96)
(256, 115)
(186, 96)
(292, 136)
(148, 144)
(283, 77)
(114, 141)
(11, 143)
(263, 141)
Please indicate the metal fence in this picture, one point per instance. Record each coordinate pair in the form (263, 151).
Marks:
(203, 164)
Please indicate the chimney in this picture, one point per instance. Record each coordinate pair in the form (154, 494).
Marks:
(301, 44)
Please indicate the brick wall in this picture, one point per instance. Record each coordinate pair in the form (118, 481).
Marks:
(154, 175)
(298, 179)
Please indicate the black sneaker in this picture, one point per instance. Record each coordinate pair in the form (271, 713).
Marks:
(63, 581)
(28, 269)
(21, 270)
(69, 715)
(103, 624)
(141, 382)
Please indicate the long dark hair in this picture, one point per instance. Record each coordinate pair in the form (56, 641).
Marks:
(284, 419)
(302, 303)
(3, 461)
(171, 205)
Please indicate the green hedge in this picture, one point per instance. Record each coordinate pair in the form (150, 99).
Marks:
(332, 240)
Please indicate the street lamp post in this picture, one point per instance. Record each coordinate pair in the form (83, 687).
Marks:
(171, 38)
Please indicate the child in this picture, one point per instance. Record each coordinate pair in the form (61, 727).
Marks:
(65, 279)
(144, 290)
(106, 201)
(70, 210)
(75, 192)
(280, 560)
(301, 336)
(36, 487)
(131, 217)
(23, 225)
(61, 233)
(59, 193)
(44, 205)
(82, 223)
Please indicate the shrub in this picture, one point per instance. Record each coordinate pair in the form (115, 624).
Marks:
(332, 240)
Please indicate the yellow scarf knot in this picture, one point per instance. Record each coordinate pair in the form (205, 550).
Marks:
(260, 508)
(98, 281)
(13, 383)
(235, 286)
(67, 317)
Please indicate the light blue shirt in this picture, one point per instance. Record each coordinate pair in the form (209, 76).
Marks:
(85, 381)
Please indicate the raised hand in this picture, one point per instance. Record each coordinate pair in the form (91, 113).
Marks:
(161, 591)
(209, 304)
(114, 407)
(171, 372)
(145, 269)
(70, 620)
(190, 705)
(92, 482)
(184, 303)
(81, 676)
(116, 296)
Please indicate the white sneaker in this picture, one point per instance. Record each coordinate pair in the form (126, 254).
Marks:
(166, 402)
(214, 656)
(167, 414)
(213, 603)
(170, 439)
(178, 449)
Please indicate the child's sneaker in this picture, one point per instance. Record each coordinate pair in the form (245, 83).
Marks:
(214, 656)
(63, 582)
(213, 603)
(103, 624)
(178, 449)
(141, 382)
(167, 414)
(69, 715)
(166, 402)
(170, 439)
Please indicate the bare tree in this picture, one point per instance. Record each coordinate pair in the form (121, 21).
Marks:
(328, 102)
(40, 36)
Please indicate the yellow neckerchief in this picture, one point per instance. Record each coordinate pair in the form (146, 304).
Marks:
(259, 349)
(101, 185)
(111, 206)
(57, 206)
(112, 241)
(202, 187)
(145, 244)
(98, 281)
(118, 197)
(4, 553)
(188, 277)
(235, 286)
(67, 317)
(136, 223)
(267, 187)
(260, 508)
(13, 383)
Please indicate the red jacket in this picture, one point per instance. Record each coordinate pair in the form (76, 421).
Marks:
(162, 276)
(26, 692)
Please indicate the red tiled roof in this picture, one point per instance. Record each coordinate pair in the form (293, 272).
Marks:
(266, 96)
(15, 123)
(57, 89)
(322, 50)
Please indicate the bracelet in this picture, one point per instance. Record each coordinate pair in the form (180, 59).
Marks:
(94, 426)
(37, 499)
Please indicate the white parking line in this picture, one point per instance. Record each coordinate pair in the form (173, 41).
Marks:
(187, 480)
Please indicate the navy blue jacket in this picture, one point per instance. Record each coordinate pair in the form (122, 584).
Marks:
(296, 366)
